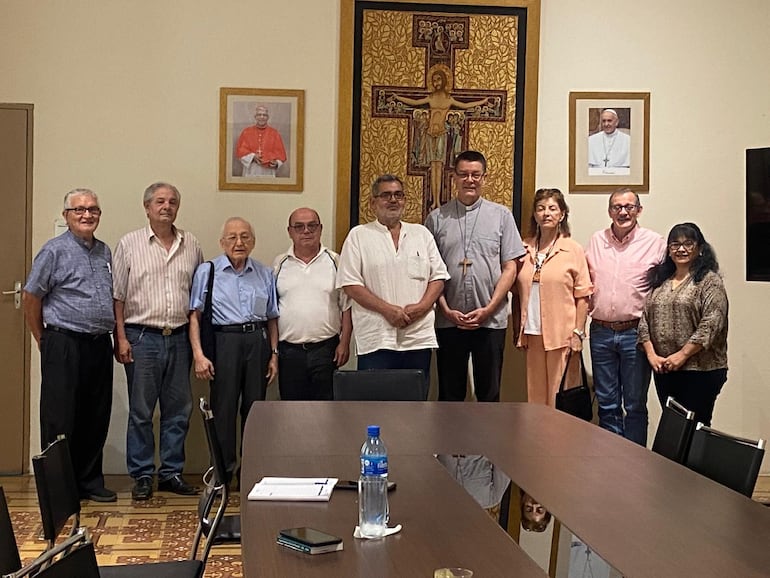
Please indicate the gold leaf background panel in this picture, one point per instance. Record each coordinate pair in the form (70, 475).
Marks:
(388, 57)
(490, 63)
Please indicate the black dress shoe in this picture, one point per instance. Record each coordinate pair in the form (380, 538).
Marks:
(177, 485)
(142, 489)
(99, 495)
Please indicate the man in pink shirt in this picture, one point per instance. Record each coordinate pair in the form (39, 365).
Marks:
(618, 260)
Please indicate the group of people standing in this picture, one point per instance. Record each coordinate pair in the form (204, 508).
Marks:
(655, 305)
(405, 288)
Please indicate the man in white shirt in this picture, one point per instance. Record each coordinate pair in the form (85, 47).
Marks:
(393, 272)
(315, 325)
(610, 147)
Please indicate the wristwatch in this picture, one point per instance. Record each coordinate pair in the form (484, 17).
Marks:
(580, 333)
(275, 352)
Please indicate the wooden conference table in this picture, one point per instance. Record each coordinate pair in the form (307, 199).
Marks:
(643, 514)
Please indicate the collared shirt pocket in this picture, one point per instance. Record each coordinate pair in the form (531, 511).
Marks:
(488, 244)
(418, 266)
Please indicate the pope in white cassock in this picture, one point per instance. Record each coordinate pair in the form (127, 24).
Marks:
(610, 147)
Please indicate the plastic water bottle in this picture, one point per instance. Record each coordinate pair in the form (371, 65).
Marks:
(373, 486)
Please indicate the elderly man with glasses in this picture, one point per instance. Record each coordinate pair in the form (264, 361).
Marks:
(315, 325)
(245, 322)
(618, 260)
(393, 272)
(480, 243)
(68, 307)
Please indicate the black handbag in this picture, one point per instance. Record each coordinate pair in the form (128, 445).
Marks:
(208, 341)
(575, 400)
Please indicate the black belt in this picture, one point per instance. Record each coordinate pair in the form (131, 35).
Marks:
(165, 331)
(75, 334)
(240, 327)
(308, 346)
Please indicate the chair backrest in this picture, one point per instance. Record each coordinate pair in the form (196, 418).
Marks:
(9, 552)
(730, 460)
(78, 563)
(212, 439)
(57, 490)
(379, 385)
(72, 558)
(675, 430)
(215, 489)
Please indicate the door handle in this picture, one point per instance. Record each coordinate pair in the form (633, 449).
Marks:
(16, 294)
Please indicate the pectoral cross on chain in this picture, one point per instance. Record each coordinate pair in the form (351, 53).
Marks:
(465, 263)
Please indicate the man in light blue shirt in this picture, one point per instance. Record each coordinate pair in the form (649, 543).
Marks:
(245, 318)
(68, 307)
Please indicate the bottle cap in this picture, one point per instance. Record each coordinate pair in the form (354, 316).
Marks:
(373, 431)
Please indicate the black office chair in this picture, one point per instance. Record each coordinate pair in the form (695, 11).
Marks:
(226, 528)
(59, 501)
(380, 385)
(9, 552)
(732, 461)
(73, 558)
(57, 490)
(674, 435)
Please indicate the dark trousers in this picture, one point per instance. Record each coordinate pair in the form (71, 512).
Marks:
(390, 359)
(76, 399)
(455, 346)
(239, 374)
(305, 371)
(696, 390)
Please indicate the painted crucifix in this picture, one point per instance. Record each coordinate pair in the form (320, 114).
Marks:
(439, 115)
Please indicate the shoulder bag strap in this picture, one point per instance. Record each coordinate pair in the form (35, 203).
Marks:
(566, 371)
(207, 307)
(583, 374)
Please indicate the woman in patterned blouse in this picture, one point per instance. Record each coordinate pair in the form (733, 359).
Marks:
(683, 329)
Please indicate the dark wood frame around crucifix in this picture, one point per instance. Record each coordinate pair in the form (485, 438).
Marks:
(399, 101)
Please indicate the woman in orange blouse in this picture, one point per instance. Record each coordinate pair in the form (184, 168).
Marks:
(553, 286)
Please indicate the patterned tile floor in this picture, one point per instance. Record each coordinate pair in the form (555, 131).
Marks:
(125, 532)
(162, 528)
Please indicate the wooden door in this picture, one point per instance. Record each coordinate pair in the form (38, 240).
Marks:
(15, 240)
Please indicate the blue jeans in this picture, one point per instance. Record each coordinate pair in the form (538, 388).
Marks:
(621, 381)
(160, 372)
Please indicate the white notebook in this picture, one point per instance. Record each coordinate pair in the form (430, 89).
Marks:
(293, 489)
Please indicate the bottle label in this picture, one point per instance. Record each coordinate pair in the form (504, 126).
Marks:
(374, 466)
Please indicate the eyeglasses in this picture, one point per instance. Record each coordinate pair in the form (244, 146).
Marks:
(471, 176)
(309, 227)
(390, 195)
(628, 208)
(80, 211)
(686, 245)
(245, 239)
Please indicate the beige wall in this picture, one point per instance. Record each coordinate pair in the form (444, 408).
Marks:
(127, 93)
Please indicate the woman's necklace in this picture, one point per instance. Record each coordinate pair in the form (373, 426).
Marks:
(675, 283)
(538, 262)
(465, 263)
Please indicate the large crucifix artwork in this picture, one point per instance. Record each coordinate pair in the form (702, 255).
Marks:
(421, 82)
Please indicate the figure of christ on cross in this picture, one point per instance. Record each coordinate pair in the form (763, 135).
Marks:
(440, 102)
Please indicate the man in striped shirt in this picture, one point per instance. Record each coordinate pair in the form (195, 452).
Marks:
(153, 270)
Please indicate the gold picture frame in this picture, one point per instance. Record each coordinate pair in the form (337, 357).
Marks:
(601, 161)
(239, 129)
